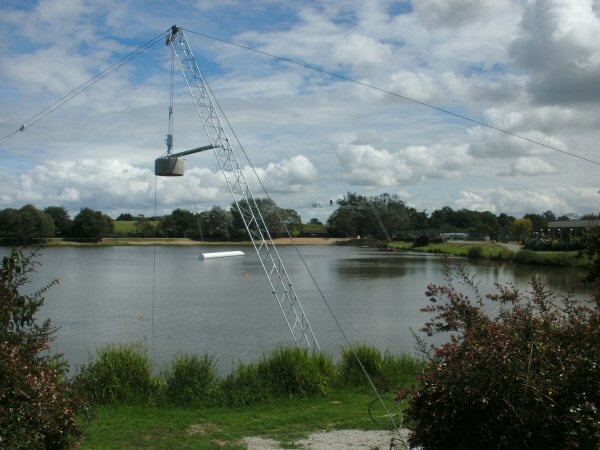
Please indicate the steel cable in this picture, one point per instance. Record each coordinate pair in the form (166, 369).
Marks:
(395, 94)
(311, 275)
(82, 87)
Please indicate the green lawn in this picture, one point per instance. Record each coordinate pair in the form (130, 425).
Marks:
(314, 228)
(128, 227)
(175, 427)
(496, 251)
(461, 248)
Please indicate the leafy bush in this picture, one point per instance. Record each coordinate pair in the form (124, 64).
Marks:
(421, 241)
(592, 251)
(37, 407)
(119, 374)
(526, 378)
(475, 252)
(538, 244)
(191, 378)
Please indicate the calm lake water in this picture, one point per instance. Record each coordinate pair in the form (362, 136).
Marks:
(225, 307)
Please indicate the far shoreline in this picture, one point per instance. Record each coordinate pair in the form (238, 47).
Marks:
(116, 242)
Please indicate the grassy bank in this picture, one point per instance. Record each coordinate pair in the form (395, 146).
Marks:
(489, 250)
(498, 252)
(201, 427)
(284, 395)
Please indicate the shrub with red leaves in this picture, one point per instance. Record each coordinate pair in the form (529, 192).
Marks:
(37, 408)
(527, 377)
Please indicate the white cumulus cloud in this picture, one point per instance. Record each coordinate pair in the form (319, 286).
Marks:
(529, 166)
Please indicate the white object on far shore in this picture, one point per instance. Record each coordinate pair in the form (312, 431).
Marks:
(221, 254)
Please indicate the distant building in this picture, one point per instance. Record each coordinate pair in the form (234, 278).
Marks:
(567, 230)
(454, 236)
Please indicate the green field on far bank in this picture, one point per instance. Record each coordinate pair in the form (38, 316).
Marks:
(499, 252)
(132, 241)
(491, 250)
(129, 227)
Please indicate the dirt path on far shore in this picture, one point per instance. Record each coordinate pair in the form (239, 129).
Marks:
(185, 242)
(308, 241)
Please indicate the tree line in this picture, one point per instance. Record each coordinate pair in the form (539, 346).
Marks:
(383, 216)
(387, 216)
(29, 225)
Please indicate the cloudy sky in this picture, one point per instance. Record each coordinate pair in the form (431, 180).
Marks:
(531, 68)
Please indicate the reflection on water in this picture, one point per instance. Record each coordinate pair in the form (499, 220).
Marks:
(174, 302)
(370, 268)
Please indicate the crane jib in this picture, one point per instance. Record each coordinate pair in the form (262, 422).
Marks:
(171, 165)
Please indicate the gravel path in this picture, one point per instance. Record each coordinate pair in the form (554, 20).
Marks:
(512, 247)
(333, 440)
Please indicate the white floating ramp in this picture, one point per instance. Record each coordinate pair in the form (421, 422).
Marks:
(221, 254)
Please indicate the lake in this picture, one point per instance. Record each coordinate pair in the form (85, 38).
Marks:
(173, 302)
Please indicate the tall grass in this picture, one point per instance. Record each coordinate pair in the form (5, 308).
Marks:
(123, 374)
(243, 386)
(351, 372)
(387, 371)
(191, 378)
(286, 372)
(294, 371)
(399, 370)
(119, 374)
(566, 259)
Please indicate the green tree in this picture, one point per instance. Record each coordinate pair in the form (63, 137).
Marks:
(37, 408)
(590, 216)
(315, 221)
(292, 221)
(25, 226)
(144, 228)
(61, 219)
(505, 223)
(90, 225)
(217, 223)
(180, 223)
(125, 217)
(10, 224)
(538, 221)
(591, 243)
(549, 216)
(521, 228)
(36, 226)
(379, 216)
(418, 220)
(276, 218)
(342, 223)
(441, 218)
(491, 222)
